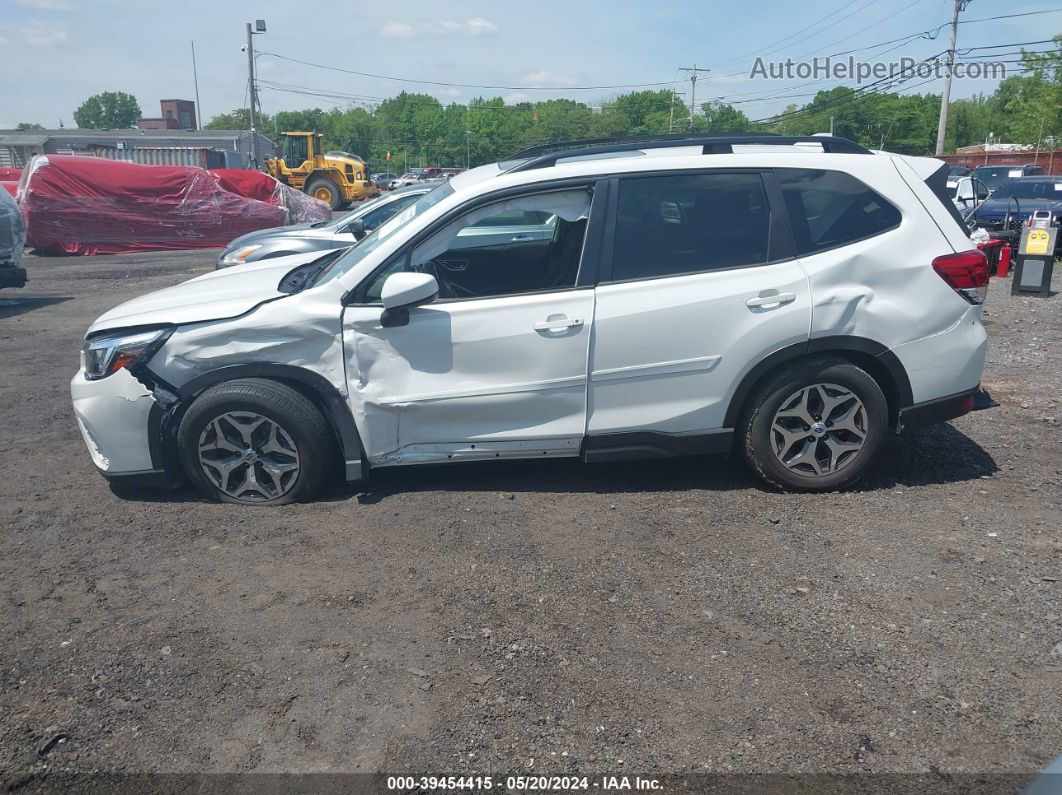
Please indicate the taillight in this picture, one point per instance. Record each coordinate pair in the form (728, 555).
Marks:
(966, 273)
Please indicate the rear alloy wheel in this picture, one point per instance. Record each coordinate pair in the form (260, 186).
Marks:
(816, 426)
(256, 441)
(327, 191)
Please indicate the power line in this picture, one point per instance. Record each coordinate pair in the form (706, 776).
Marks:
(772, 48)
(464, 85)
(930, 34)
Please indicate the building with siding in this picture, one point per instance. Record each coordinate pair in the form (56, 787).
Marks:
(206, 148)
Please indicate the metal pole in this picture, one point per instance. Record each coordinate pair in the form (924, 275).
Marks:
(195, 79)
(945, 96)
(693, 95)
(468, 148)
(1039, 137)
(693, 70)
(251, 94)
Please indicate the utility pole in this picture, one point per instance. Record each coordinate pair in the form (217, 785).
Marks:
(468, 148)
(831, 125)
(195, 79)
(671, 112)
(945, 96)
(693, 70)
(252, 92)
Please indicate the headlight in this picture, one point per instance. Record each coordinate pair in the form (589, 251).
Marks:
(239, 256)
(102, 356)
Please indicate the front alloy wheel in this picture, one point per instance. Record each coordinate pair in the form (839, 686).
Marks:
(249, 457)
(256, 441)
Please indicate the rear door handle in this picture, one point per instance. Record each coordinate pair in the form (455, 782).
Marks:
(558, 323)
(770, 301)
(521, 238)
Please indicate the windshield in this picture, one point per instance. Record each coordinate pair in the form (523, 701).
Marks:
(958, 171)
(1037, 189)
(372, 241)
(995, 176)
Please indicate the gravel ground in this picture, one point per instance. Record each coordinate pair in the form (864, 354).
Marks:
(530, 617)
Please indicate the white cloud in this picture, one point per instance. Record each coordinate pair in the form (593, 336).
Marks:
(544, 77)
(34, 33)
(47, 5)
(477, 26)
(518, 96)
(397, 30)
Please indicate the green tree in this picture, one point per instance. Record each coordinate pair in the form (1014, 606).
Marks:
(723, 119)
(111, 110)
(26, 125)
(240, 119)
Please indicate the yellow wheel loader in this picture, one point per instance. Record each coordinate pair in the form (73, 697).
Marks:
(336, 178)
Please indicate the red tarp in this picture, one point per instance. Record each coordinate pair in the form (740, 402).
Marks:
(10, 187)
(10, 174)
(89, 205)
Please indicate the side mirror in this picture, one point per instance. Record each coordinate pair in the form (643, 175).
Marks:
(357, 228)
(403, 291)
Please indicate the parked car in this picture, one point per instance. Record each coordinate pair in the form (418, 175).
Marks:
(792, 299)
(351, 228)
(407, 179)
(383, 179)
(954, 173)
(967, 193)
(12, 240)
(348, 229)
(1004, 213)
(994, 176)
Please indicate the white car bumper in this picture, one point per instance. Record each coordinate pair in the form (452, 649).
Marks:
(112, 414)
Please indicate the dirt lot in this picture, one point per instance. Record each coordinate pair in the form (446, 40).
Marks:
(530, 617)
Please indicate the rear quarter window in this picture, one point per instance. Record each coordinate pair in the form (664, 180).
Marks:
(828, 209)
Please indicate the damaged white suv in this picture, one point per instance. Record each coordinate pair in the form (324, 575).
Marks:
(792, 299)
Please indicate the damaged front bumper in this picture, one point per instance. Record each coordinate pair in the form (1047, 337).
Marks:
(116, 416)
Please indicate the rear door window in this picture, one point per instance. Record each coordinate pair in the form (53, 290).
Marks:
(690, 223)
(828, 209)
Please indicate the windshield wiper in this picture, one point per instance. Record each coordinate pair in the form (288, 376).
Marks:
(304, 276)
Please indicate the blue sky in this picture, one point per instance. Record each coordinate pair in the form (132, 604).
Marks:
(58, 52)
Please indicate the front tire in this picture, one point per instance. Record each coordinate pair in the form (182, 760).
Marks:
(255, 441)
(816, 425)
(327, 191)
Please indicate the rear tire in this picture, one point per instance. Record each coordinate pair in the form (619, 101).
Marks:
(255, 441)
(327, 191)
(816, 425)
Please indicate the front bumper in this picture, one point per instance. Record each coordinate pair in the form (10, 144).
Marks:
(113, 414)
(12, 277)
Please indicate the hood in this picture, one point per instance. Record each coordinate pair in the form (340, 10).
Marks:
(273, 233)
(213, 296)
(993, 207)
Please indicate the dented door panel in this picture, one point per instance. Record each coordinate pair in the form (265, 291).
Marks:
(470, 371)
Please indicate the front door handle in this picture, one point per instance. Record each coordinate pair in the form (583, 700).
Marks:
(770, 301)
(558, 323)
(521, 238)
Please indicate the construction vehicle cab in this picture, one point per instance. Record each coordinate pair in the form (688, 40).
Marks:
(336, 178)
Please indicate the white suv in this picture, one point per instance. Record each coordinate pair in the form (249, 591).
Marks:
(793, 299)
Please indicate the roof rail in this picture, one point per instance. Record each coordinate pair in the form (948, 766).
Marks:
(542, 156)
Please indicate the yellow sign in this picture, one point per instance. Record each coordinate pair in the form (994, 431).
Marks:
(1037, 241)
